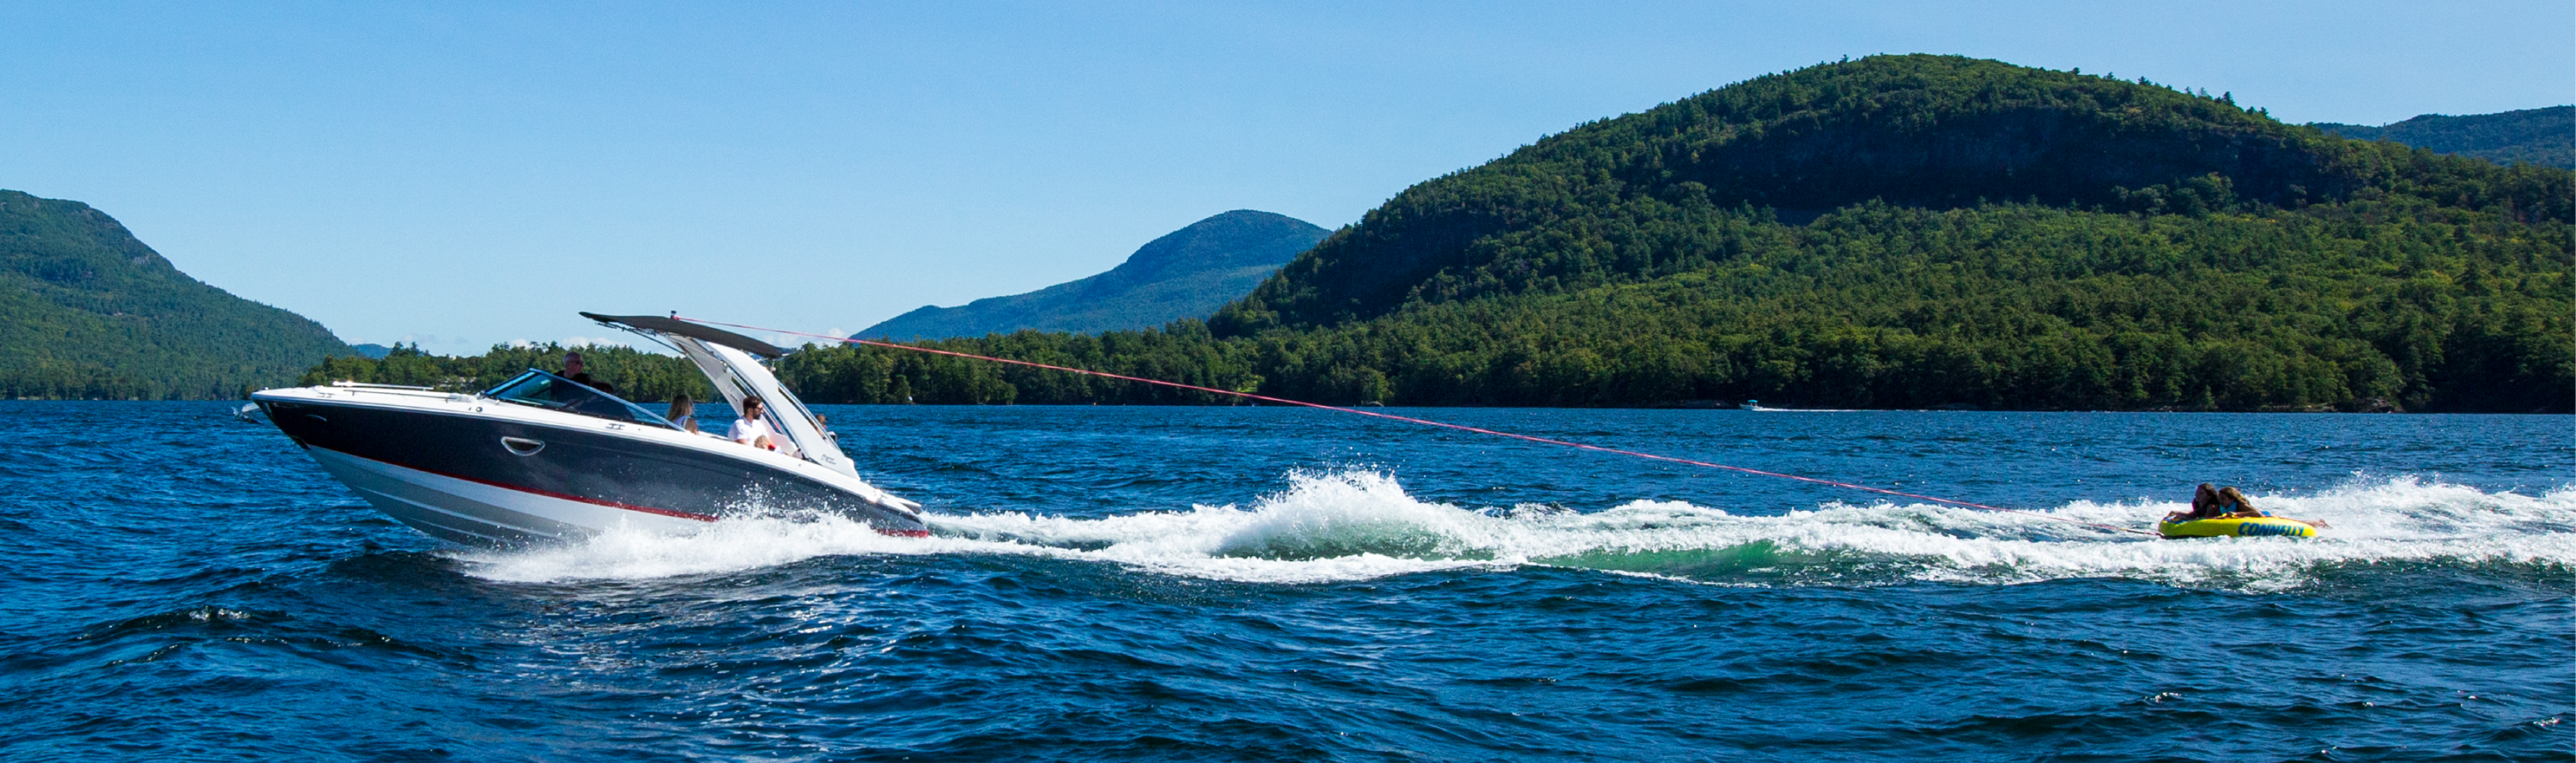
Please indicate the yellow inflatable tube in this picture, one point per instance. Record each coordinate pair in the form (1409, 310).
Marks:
(2235, 527)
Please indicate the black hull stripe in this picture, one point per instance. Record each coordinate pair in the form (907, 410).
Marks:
(546, 493)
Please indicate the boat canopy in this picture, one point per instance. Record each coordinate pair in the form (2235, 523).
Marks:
(676, 327)
(726, 358)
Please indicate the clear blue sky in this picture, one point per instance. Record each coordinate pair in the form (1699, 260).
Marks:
(462, 174)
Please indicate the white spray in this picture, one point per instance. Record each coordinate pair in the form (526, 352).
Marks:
(1359, 525)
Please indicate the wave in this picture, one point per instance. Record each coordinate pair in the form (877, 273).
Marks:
(1357, 525)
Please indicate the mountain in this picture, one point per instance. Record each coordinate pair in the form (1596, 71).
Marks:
(87, 311)
(1924, 132)
(372, 351)
(1187, 273)
(1891, 232)
(2545, 137)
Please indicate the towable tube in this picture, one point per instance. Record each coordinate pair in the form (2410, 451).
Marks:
(2232, 527)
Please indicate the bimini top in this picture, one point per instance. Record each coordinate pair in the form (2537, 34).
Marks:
(693, 331)
(729, 362)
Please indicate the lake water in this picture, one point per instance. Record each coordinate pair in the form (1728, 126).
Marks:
(1283, 584)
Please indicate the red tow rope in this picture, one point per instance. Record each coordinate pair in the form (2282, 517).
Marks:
(1412, 420)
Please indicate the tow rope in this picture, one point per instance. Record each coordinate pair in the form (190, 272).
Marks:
(1423, 422)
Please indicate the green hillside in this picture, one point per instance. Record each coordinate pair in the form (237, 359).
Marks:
(87, 311)
(1911, 131)
(1184, 274)
(2000, 236)
(2545, 137)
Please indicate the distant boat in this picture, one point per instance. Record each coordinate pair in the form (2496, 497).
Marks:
(1756, 405)
(541, 458)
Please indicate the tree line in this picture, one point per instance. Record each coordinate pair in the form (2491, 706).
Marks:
(638, 376)
(2364, 306)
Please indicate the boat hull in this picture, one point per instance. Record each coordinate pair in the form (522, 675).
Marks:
(478, 514)
(485, 474)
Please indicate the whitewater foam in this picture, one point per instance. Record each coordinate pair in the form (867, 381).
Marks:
(1360, 524)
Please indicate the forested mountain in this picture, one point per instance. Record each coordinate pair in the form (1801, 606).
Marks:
(2546, 137)
(1185, 274)
(87, 311)
(1600, 203)
(1895, 231)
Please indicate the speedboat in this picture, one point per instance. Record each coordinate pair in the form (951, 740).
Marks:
(544, 459)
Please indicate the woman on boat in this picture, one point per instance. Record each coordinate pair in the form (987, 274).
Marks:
(683, 413)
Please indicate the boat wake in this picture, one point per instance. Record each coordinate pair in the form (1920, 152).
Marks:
(1360, 525)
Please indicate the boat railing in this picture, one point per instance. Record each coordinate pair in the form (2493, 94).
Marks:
(363, 385)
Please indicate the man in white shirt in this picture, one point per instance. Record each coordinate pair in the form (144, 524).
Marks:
(753, 429)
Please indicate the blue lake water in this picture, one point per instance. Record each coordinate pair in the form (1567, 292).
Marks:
(1282, 584)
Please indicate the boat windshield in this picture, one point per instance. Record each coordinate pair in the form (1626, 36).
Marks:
(545, 390)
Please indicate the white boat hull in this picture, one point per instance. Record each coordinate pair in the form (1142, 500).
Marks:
(478, 514)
